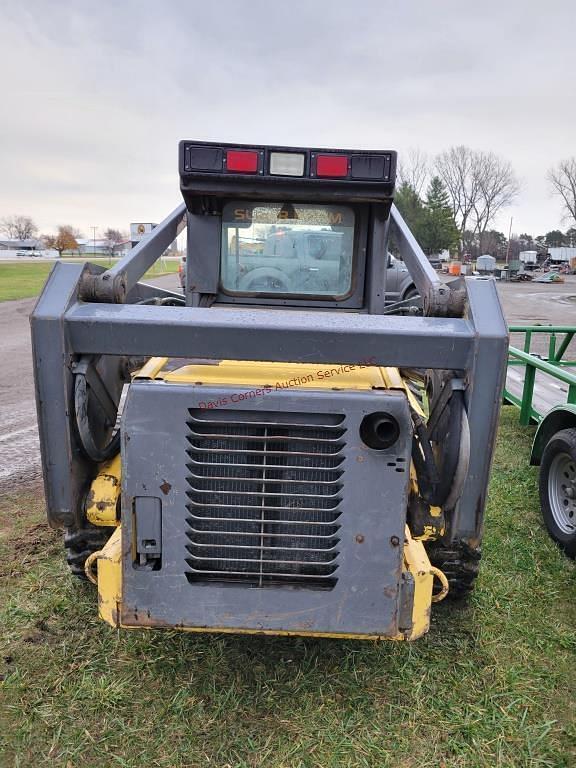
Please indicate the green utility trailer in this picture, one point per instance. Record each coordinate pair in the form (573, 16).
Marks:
(541, 382)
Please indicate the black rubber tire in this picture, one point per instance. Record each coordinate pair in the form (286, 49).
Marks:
(80, 543)
(563, 442)
(461, 565)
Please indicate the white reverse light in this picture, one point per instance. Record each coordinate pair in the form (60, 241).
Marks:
(286, 164)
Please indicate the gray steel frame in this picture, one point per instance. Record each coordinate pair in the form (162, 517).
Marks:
(203, 272)
(86, 310)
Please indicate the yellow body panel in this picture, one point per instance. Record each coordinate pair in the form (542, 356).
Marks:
(278, 376)
(152, 368)
(110, 579)
(416, 561)
(102, 500)
(260, 375)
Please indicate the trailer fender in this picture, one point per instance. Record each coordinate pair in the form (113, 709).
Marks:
(560, 417)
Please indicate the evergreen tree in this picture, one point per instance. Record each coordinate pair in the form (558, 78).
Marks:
(410, 206)
(438, 228)
(554, 238)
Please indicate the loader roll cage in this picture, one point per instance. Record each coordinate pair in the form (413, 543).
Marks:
(87, 313)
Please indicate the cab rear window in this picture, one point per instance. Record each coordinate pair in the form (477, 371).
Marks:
(287, 249)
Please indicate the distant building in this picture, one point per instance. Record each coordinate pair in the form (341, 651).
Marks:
(29, 246)
(121, 249)
(139, 230)
(98, 247)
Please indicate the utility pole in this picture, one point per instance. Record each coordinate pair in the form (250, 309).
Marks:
(93, 240)
(509, 236)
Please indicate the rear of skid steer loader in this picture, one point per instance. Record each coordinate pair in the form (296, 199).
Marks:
(280, 450)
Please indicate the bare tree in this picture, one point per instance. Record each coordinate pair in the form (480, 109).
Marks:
(414, 169)
(563, 181)
(114, 237)
(18, 227)
(457, 167)
(480, 184)
(497, 185)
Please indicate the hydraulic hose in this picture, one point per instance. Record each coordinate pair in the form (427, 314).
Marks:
(441, 486)
(463, 464)
(87, 441)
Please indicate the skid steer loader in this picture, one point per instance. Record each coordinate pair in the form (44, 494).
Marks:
(279, 450)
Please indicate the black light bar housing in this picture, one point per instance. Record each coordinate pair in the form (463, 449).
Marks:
(205, 178)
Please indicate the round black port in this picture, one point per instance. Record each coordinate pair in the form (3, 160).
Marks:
(379, 430)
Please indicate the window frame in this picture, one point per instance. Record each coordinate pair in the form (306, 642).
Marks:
(354, 299)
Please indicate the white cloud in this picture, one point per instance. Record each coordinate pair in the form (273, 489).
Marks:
(96, 95)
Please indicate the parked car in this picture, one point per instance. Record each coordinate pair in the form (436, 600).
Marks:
(399, 284)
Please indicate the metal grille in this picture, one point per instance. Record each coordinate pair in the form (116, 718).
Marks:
(264, 497)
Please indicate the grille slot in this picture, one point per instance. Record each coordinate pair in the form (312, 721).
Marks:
(264, 492)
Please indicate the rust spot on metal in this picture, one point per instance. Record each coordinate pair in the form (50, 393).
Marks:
(131, 617)
(165, 487)
(359, 539)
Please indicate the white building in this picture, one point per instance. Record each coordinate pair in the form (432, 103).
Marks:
(90, 247)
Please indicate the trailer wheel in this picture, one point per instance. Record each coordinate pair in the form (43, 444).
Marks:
(558, 489)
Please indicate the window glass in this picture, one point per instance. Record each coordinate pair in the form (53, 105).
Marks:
(287, 249)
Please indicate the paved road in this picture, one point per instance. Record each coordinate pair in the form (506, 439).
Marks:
(19, 456)
(19, 453)
(19, 447)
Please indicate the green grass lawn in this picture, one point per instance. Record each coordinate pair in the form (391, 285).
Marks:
(24, 280)
(491, 685)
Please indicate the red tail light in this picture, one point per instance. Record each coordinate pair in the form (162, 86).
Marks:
(239, 161)
(335, 166)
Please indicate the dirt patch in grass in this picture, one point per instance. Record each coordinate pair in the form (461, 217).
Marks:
(491, 685)
(25, 536)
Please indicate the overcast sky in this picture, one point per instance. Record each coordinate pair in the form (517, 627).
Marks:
(96, 95)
